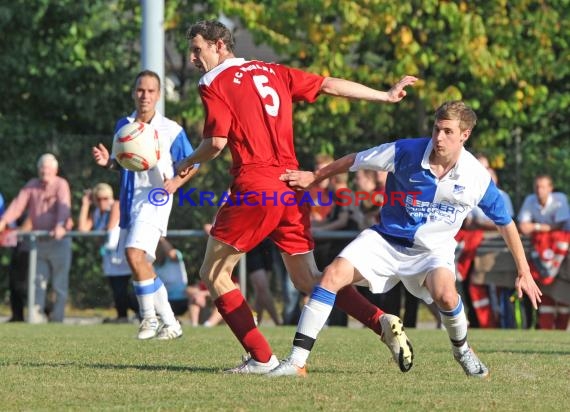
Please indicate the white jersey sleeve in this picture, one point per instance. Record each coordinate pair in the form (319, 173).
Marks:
(377, 158)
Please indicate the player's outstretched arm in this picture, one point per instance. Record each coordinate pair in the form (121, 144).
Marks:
(524, 282)
(346, 88)
(300, 179)
(172, 185)
(208, 149)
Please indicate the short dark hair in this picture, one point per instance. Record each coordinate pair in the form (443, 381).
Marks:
(457, 110)
(212, 30)
(146, 73)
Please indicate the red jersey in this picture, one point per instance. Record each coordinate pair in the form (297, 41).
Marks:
(251, 104)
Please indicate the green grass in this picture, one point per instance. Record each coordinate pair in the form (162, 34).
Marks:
(103, 367)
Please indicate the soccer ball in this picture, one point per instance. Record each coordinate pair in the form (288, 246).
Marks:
(135, 146)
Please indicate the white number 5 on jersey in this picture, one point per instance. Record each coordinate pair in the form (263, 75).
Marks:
(264, 91)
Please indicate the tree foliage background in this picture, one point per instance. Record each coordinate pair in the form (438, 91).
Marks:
(68, 67)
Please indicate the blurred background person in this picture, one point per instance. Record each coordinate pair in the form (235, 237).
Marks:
(259, 262)
(321, 207)
(544, 216)
(200, 303)
(47, 201)
(100, 211)
(170, 268)
(18, 267)
(487, 306)
(320, 193)
(290, 295)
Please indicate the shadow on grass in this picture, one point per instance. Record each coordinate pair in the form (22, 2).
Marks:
(525, 351)
(171, 368)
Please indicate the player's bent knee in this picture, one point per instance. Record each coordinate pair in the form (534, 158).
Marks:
(446, 300)
(336, 276)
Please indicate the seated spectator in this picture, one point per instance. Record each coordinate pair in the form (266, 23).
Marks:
(200, 302)
(169, 267)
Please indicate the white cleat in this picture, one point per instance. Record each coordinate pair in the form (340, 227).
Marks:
(169, 332)
(251, 366)
(395, 338)
(471, 364)
(148, 328)
(288, 368)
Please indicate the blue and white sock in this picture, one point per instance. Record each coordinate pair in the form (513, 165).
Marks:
(161, 303)
(144, 290)
(455, 323)
(313, 319)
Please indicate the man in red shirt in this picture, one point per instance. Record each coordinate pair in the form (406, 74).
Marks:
(249, 107)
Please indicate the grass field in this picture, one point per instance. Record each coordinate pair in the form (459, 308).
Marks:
(103, 367)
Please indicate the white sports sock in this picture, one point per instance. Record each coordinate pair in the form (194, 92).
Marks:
(455, 323)
(313, 319)
(161, 303)
(144, 290)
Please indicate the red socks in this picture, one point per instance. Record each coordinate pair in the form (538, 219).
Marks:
(237, 314)
(353, 303)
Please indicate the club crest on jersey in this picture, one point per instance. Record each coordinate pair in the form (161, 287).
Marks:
(458, 188)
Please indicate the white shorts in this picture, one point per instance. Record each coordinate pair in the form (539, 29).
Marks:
(143, 236)
(383, 264)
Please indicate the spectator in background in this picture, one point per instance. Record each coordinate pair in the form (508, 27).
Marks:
(18, 269)
(321, 206)
(170, 268)
(100, 211)
(47, 200)
(479, 298)
(320, 194)
(290, 295)
(372, 182)
(259, 262)
(544, 216)
(198, 300)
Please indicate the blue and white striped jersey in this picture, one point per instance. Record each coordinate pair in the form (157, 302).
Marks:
(135, 186)
(422, 211)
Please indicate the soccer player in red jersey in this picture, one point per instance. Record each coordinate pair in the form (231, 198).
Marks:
(249, 108)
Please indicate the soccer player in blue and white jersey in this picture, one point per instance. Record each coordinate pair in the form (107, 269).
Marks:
(144, 222)
(432, 184)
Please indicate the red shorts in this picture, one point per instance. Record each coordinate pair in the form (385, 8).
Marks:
(278, 213)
